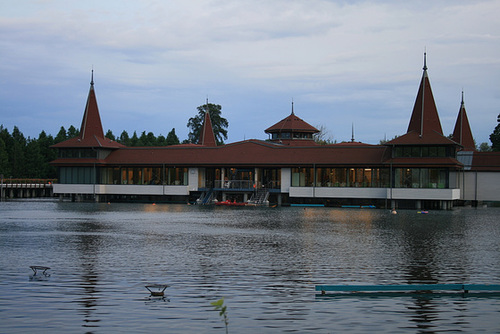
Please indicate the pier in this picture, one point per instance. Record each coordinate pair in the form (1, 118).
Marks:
(26, 188)
(407, 288)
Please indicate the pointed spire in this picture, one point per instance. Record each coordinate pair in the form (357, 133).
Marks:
(91, 122)
(425, 117)
(462, 133)
(352, 130)
(91, 134)
(292, 108)
(207, 136)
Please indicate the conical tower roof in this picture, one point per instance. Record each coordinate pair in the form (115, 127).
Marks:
(207, 137)
(91, 133)
(425, 126)
(91, 122)
(462, 133)
(424, 117)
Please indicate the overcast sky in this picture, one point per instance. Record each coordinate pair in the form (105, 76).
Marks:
(341, 62)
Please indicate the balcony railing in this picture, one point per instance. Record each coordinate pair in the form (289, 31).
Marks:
(241, 185)
(234, 184)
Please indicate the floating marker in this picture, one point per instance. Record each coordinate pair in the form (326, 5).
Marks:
(156, 289)
(36, 268)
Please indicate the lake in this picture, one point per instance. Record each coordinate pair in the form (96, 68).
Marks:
(264, 262)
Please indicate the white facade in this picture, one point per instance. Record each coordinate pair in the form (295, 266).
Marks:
(480, 186)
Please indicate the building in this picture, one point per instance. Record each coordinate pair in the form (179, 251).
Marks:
(421, 169)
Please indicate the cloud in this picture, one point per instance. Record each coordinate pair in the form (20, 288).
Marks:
(151, 56)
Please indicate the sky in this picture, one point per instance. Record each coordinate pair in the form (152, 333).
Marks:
(344, 64)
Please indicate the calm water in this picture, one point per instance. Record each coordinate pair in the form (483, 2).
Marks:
(265, 262)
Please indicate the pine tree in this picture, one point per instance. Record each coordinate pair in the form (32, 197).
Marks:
(495, 137)
(172, 138)
(219, 123)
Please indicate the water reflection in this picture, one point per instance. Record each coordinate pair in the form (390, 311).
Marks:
(88, 247)
(263, 261)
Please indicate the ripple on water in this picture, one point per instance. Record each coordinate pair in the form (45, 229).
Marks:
(264, 262)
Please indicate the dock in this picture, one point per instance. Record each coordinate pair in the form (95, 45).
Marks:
(26, 188)
(409, 288)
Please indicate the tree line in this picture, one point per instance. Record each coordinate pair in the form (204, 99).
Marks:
(22, 157)
(25, 157)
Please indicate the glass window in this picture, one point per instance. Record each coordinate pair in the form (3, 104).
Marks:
(271, 178)
(177, 176)
(367, 177)
(421, 178)
(340, 177)
(302, 177)
(415, 151)
(385, 177)
(425, 151)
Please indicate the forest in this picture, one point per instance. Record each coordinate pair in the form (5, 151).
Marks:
(22, 157)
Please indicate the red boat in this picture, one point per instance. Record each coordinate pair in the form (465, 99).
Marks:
(231, 203)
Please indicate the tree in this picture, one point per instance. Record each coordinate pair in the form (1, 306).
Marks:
(143, 140)
(110, 135)
(150, 139)
(219, 123)
(34, 160)
(73, 132)
(323, 137)
(124, 138)
(45, 142)
(5, 152)
(18, 153)
(172, 138)
(134, 141)
(161, 141)
(484, 147)
(62, 135)
(4, 160)
(385, 141)
(495, 137)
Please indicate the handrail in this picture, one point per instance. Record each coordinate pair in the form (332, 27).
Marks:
(28, 181)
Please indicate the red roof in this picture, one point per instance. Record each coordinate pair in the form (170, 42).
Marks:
(424, 127)
(414, 138)
(486, 161)
(425, 162)
(462, 133)
(207, 137)
(91, 133)
(425, 108)
(246, 153)
(292, 123)
(351, 143)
